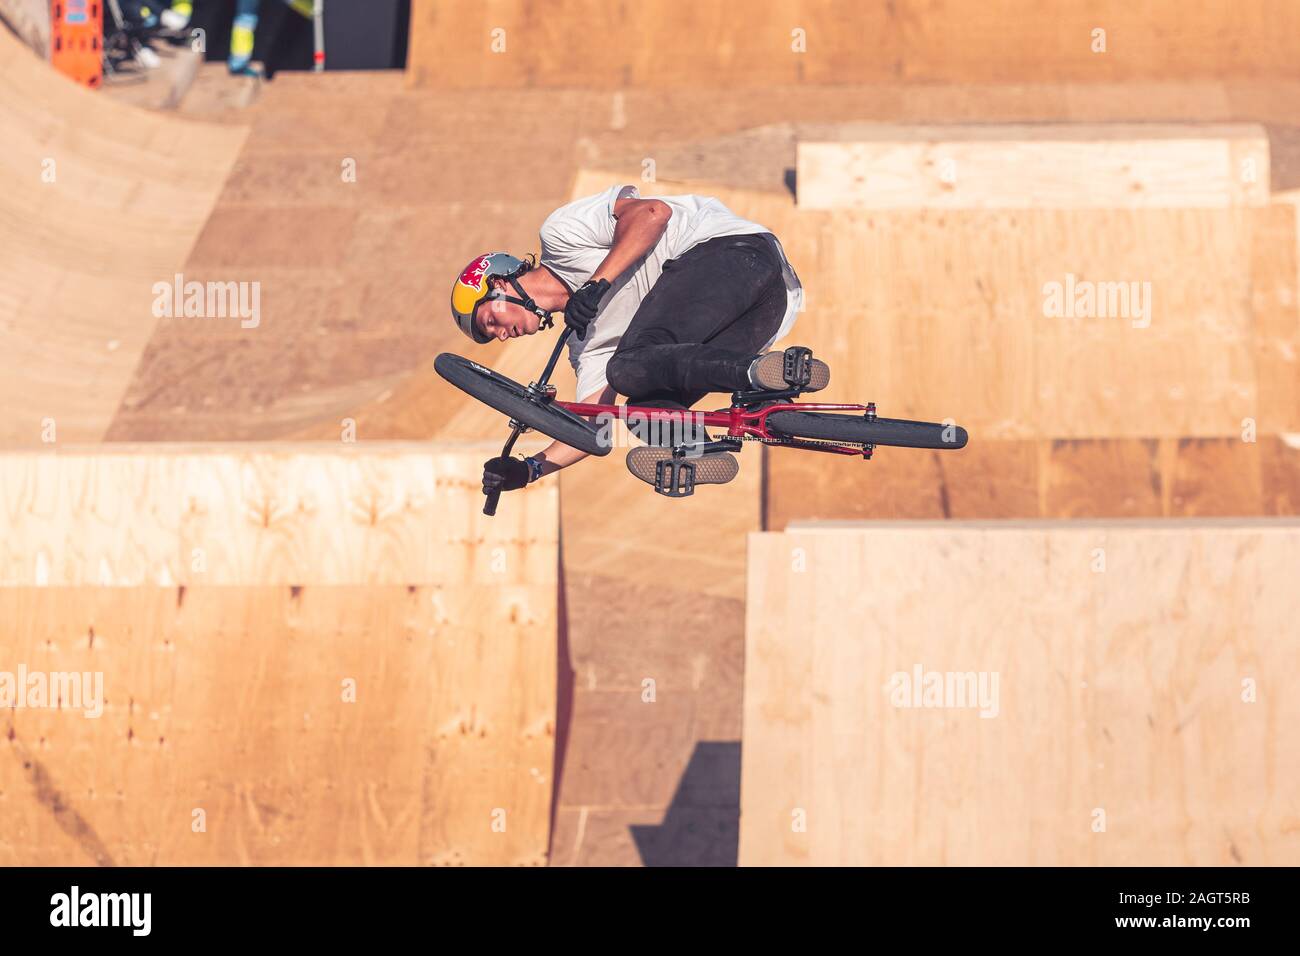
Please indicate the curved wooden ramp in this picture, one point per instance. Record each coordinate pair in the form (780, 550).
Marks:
(100, 202)
(306, 655)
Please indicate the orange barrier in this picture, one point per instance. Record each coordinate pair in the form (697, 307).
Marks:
(76, 35)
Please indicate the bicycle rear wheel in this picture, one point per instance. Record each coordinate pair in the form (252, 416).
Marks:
(855, 429)
(511, 398)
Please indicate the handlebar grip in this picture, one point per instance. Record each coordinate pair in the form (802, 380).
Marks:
(490, 506)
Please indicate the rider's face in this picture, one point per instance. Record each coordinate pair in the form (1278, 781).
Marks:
(505, 320)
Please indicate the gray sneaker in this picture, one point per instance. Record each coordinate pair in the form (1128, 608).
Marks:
(713, 468)
(777, 371)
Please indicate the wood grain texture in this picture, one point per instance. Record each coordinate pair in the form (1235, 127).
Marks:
(321, 513)
(671, 45)
(224, 690)
(1120, 690)
(1097, 478)
(1275, 302)
(1034, 167)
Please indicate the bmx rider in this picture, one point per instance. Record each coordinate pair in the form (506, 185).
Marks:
(669, 299)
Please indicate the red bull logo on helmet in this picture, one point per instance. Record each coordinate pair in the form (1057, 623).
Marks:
(473, 274)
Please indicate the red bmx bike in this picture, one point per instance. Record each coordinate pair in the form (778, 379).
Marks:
(763, 416)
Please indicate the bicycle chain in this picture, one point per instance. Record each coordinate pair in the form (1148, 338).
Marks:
(805, 441)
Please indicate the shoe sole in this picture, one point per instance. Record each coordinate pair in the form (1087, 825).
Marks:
(715, 468)
(769, 374)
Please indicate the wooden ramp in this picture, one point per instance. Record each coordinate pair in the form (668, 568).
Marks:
(354, 204)
(100, 202)
(1117, 360)
(1049, 166)
(309, 655)
(666, 44)
(1042, 693)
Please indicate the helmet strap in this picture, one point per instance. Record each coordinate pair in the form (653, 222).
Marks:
(527, 302)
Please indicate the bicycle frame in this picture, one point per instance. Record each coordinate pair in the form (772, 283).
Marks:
(740, 421)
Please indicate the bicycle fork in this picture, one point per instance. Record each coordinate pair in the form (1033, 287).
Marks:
(540, 392)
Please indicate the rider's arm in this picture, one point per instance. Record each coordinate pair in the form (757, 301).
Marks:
(559, 455)
(640, 224)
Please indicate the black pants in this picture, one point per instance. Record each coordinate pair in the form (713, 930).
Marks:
(702, 323)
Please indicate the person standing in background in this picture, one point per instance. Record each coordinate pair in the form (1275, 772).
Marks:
(243, 33)
(177, 17)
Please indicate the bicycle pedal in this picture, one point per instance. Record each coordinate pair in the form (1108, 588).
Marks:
(798, 365)
(675, 477)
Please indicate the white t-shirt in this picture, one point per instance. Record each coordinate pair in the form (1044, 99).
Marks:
(577, 237)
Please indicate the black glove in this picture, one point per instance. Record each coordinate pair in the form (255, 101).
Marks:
(504, 474)
(584, 304)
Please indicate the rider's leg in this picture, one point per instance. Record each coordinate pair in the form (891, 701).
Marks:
(177, 16)
(702, 323)
(242, 34)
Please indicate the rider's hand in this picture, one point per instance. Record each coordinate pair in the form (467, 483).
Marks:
(584, 304)
(504, 474)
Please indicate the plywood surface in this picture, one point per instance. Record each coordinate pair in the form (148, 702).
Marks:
(1035, 167)
(670, 45)
(361, 670)
(1123, 652)
(1086, 478)
(251, 515)
(100, 202)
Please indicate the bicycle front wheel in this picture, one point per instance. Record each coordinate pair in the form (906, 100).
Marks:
(511, 398)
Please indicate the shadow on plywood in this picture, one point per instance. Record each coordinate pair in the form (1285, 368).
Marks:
(702, 824)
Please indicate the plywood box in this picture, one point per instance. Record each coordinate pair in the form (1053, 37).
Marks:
(870, 166)
(315, 655)
(1136, 707)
